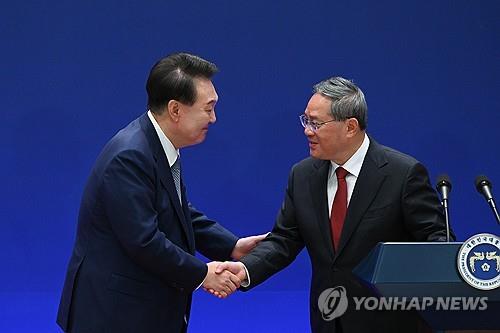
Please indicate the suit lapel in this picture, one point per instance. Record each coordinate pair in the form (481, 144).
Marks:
(187, 214)
(318, 186)
(165, 176)
(367, 186)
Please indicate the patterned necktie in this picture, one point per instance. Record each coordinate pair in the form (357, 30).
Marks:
(339, 207)
(176, 174)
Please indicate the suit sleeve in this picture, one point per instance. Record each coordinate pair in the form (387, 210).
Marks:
(212, 240)
(280, 248)
(128, 194)
(423, 213)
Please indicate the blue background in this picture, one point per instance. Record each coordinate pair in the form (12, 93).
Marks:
(73, 73)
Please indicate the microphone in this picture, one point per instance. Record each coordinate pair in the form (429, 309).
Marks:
(443, 186)
(483, 186)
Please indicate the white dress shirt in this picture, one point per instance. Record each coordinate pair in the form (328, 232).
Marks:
(171, 152)
(353, 166)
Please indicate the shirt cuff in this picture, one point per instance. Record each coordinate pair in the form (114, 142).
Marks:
(245, 283)
(201, 283)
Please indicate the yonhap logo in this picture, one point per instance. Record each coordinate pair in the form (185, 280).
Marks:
(332, 303)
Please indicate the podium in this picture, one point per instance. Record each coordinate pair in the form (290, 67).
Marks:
(423, 270)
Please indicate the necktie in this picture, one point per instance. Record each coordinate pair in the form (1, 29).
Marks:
(176, 174)
(339, 207)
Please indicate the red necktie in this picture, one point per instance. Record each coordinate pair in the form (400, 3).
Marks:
(339, 207)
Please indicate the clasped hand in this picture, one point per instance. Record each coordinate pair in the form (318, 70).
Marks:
(223, 278)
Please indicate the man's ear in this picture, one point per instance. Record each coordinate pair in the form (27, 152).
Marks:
(173, 109)
(352, 126)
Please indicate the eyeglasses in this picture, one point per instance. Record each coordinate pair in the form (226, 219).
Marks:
(312, 125)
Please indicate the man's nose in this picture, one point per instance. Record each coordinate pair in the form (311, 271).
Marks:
(308, 131)
(213, 118)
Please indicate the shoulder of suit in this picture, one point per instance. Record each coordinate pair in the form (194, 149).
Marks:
(128, 140)
(308, 163)
(395, 156)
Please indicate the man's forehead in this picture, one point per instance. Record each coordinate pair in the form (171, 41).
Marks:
(318, 106)
(211, 98)
(205, 91)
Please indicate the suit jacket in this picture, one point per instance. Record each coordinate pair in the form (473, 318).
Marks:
(133, 267)
(391, 201)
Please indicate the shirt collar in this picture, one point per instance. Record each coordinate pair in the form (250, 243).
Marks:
(169, 149)
(353, 165)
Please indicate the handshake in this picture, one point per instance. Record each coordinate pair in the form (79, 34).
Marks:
(223, 278)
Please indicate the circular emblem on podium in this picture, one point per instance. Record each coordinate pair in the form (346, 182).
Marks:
(478, 261)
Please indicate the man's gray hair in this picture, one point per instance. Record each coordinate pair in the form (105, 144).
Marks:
(348, 101)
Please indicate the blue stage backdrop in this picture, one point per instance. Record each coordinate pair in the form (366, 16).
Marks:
(73, 73)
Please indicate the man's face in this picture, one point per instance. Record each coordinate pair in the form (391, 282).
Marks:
(195, 119)
(329, 142)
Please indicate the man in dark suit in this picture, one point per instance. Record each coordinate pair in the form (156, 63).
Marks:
(351, 194)
(133, 267)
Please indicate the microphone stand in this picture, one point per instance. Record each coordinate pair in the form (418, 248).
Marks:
(444, 203)
(494, 209)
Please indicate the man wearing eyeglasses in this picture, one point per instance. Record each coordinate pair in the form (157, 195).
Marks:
(351, 194)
